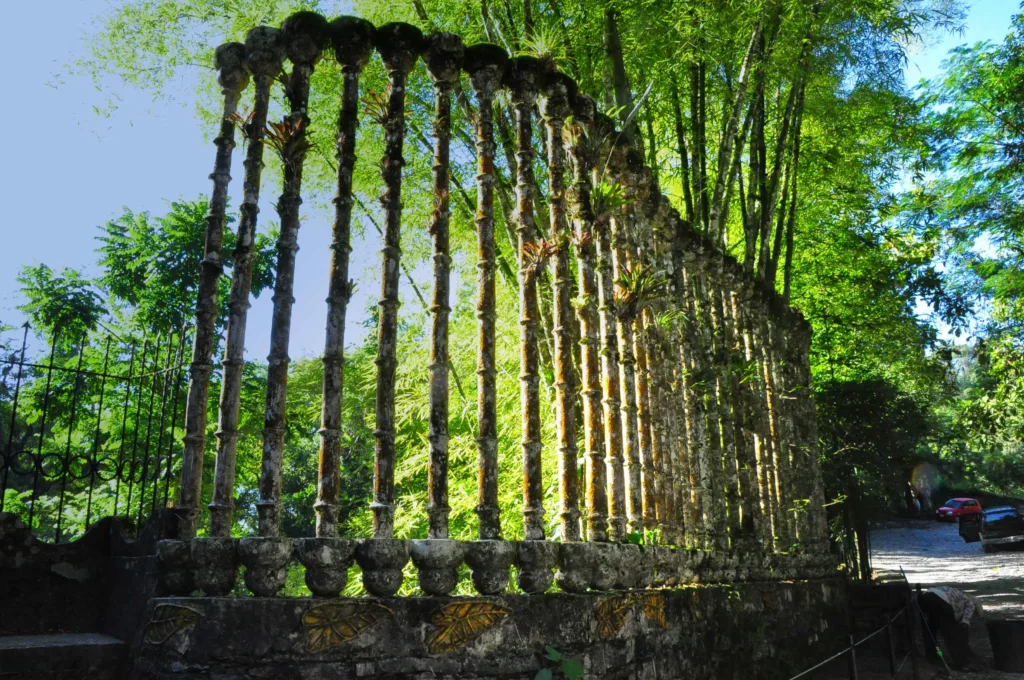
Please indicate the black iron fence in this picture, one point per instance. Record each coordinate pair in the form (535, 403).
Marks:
(89, 427)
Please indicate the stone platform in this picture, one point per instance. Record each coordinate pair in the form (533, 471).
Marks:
(713, 632)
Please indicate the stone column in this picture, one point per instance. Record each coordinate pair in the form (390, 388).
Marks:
(521, 79)
(443, 56)
(486, 67)
(603, 201)
(265, 54)
(304, 36)
(627, 358)
(557, 91)
(399, 46)
(582, 150)
(233, 76)
(352, 39)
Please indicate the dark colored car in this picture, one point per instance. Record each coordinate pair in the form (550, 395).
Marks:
(955, 507)
(993, 528)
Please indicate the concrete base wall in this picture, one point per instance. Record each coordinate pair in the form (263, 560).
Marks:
(745, 630)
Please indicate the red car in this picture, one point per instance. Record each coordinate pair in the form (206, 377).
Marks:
(954, 507)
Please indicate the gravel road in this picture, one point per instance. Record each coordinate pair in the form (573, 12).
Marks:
(932, 553)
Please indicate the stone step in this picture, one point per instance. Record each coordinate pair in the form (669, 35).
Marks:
(67, 656)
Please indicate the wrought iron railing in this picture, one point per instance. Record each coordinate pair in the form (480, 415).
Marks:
(697, 425)
(91, 429)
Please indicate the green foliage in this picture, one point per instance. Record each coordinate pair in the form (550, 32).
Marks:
(151, 265)
(64, 304)
(569, 668)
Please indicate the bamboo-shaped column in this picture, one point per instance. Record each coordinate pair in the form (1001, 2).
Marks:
(779, 429)
(625, 312)
(399, 46)
(265, 55)
(652, 241)
(486, 67)
(808, 436)
(743, 438)
(722, 396)
(304, 36)
(233, 76)
(443, 56)
(352, 39)
(696, 381)
(581, 150)
(640, 279)
(770, 427)
(554, 107)
(756, 408)
(796, 487)
(521, 79)
(604, 204)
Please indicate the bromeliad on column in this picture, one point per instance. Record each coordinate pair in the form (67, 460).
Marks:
(265, 55)
(233, 75)
(437, 558)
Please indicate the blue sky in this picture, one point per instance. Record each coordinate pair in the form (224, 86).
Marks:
(68, 170)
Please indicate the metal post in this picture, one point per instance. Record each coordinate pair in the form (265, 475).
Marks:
(910, 641)
(853, 660)
(892, 648)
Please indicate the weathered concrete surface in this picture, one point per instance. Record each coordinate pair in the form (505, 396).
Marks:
(750, 630)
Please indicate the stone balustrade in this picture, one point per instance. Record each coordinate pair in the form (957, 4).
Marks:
(692, 386)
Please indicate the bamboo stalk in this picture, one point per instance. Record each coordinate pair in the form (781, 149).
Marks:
(233, 75)
(304, 36)
(352, 39)
(399, 46)
(554, 107)
(265, 54)
(486, 66)
(443, 56)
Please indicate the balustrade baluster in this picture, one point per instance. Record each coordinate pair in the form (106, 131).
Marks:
(554, 107)
(624, 309)
(486, 66)
(264, 55)
(399, 46)
(521, 79)
(443, 57)
(582, 148)
(352, 39)
(603, 203)
(233, 76)
(304, 37)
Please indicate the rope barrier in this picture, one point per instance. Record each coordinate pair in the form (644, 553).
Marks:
(848, 648)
